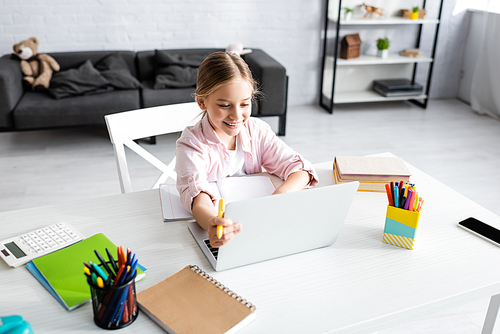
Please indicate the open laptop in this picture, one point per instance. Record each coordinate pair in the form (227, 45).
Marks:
(280, 225)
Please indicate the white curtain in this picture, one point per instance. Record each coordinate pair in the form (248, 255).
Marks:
(485, 90)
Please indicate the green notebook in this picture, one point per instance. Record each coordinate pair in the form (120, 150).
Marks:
(62, 270)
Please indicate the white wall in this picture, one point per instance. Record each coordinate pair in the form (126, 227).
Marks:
(289, 30)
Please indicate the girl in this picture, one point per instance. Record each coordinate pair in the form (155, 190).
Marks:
(228, 142)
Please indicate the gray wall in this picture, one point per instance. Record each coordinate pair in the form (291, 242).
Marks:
(290, 31)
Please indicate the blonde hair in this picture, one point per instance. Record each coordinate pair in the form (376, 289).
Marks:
(220, 68)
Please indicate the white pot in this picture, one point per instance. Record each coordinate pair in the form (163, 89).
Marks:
(347, 16)
(383, 53)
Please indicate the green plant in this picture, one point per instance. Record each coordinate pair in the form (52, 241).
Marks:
(348, 10)
(383, 43)
(415, 9)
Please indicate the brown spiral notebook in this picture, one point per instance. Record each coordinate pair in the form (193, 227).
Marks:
(190, 301)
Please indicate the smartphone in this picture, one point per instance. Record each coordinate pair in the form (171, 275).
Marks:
(481, 229)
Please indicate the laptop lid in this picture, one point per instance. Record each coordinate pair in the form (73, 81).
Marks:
(281, 225)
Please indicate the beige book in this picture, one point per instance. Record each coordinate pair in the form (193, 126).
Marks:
(190, 301)
(382, 169)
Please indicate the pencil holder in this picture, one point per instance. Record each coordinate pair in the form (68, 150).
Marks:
(401, 227)
(114, 307)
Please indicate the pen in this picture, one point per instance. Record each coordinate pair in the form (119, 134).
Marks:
(128, 256)
(103, 263)
(112, 260)
(220, 228)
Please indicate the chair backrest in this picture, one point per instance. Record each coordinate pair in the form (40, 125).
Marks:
(125, 127)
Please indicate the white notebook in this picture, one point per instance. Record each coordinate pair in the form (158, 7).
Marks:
(231, 189)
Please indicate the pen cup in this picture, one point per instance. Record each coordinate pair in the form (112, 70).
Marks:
(114, 307)
(401, 227)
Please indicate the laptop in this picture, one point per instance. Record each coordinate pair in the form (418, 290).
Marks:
(280, 225)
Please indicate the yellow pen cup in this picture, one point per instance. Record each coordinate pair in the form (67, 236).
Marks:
(401, 227)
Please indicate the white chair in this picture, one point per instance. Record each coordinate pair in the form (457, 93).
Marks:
(125, 127)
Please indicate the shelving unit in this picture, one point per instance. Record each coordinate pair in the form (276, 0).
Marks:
(350, 81)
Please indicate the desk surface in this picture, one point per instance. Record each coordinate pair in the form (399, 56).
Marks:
(358, 285)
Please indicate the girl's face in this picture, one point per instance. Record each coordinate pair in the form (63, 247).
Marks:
(228, 108)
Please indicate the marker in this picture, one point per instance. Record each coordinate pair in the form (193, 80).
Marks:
(420, 201)
(412, 200)
(402, 197)
(389, 194)
(220, 228)
(408, 198)
(87, 271)
(100, 272)
(100, 282)
(396, 195)
(392, 191)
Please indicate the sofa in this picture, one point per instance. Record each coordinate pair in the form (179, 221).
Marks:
(24, 109)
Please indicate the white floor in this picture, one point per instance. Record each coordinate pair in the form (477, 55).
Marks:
(448, 141)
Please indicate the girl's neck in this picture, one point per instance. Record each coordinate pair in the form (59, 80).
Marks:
(228, 141)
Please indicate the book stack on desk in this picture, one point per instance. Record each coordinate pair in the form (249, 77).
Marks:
(371, 172)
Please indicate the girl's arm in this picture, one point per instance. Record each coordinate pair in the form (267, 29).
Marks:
(205, 214)
(295, 181)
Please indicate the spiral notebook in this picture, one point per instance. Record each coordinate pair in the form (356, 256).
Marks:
(190, 301)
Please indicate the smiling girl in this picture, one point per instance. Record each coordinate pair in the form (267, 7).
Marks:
(228, 142)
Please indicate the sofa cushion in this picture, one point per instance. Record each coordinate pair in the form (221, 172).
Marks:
(177, 70)
(74, 59)
(78, 81)
(146, 63)
(116, 71)
(40, 110)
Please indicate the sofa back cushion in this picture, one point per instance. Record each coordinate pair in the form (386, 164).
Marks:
(75, 59)
(147, 66)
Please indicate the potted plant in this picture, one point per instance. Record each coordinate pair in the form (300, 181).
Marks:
(348, 13)
(383, 47)
(414, 14)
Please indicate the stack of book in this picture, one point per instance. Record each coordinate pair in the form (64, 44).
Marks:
(397, 87)
(373, 173)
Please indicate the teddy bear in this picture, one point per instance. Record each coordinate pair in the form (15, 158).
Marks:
(37, 68)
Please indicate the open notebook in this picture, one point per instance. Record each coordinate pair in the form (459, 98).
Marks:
(231, 189)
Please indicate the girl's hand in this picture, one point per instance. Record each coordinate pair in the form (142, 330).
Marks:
(230, 230)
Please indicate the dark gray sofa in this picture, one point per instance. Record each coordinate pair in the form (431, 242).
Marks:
(23, 109)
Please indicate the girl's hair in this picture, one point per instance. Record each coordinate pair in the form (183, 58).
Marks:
(220, 68)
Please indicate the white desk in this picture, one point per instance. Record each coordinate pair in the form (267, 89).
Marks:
(358, 285)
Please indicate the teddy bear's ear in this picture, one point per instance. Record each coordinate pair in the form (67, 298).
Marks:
(34, 40)
(15, 47)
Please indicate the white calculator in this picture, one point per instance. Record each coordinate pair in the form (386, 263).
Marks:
(26, 247)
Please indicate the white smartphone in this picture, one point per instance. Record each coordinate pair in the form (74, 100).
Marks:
(481, 229)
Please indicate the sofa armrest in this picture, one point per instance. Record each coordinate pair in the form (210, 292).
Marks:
(271, 76)
(11, 88)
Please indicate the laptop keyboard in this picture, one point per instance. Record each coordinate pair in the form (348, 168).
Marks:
(214, 251)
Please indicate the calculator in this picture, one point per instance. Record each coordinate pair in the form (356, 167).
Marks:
(26, 247)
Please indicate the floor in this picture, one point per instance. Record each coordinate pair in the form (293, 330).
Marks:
(447, 141)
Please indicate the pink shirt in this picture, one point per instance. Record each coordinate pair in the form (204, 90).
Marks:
(202, 158)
